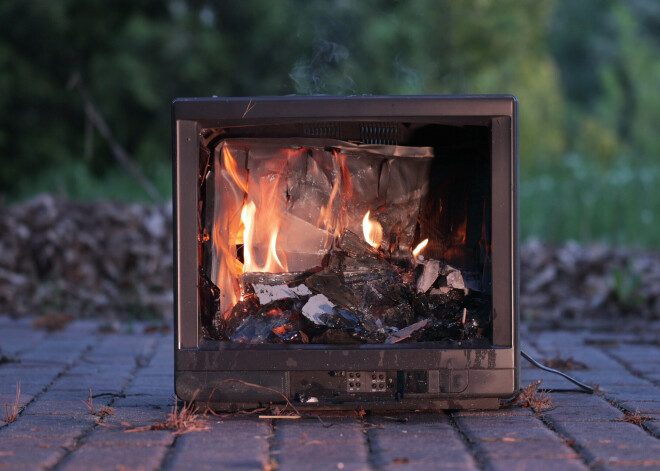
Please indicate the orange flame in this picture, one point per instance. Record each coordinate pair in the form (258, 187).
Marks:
(420, 247)
(273, 262)
(331, 218)
(231, 166)
(231, 185)
(372, 230)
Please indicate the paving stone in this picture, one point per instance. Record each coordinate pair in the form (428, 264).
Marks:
(149, 401)
(553, 339)
(31, 452)
(116, 436)
(536, 464)
(592, 357)
(151, 383)
(47, 426)
(632, 393)
(653, 425)
(55, 402)
(113, 457)
(548, 380)
(608, 378)
(653, 378)
(430, 443)
(514, 428)
(643, 407)
(29, 374)
(62, 351)
(575, 399)
(586, 413)
(126, 417)
(57, 369)
(644, 466)
(527, 449)
(230, 444)
(587, 434)
(622, 455)
(298, 445)
(636, 354)
(77, 384)
(503, 411)
(16, 340)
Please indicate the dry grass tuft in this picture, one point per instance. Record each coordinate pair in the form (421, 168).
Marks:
(565, 364)
(104, 412)
(53, 322)
(179, 421)
(530, 397)
(634, 418)
(12, 410)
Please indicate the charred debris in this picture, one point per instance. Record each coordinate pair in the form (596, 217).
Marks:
(357, 296)
(318, 194)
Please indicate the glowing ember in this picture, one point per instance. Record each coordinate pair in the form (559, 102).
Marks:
(373, 231)
(420, 247)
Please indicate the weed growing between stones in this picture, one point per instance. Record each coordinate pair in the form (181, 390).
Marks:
(634, 418)
(12, 410)
(104, 412)
(179, 421)
(530, 396)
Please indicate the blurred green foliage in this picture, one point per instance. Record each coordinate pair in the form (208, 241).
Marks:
(586, 74)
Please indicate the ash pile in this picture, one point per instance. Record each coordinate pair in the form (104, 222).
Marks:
(356, 297)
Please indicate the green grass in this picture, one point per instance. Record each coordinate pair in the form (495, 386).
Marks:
(578, 199)
(76, 182)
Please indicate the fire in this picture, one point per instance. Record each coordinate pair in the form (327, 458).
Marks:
(372, 230)
(420, 247)
(229, 162)
(249, 212)
(247, 218)
(273, 264)
(332, 218)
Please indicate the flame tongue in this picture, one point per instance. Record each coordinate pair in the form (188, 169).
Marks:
(273, 263)
(231, 166)
(372, 230)
(247, 218)
(420, 247)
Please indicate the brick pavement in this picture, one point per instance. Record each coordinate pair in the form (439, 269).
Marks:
(132, 374)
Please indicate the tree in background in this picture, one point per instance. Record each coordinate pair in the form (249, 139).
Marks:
(585, 73)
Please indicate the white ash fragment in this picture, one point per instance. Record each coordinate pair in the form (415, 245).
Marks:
(406, 332)
(317, 306)
(455, 279)
(268, 294)
(429, 275)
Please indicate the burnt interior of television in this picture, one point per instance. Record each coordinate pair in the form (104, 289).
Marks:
(346, 232)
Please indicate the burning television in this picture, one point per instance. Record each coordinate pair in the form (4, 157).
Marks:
(346, 251)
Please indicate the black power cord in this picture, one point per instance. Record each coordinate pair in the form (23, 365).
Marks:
(584, 387)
